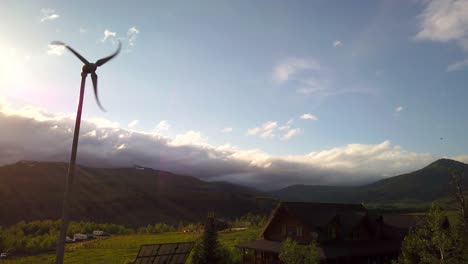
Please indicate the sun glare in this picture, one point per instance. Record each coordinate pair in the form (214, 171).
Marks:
(12, 62)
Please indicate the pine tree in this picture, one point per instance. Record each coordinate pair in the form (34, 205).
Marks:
(207, 249)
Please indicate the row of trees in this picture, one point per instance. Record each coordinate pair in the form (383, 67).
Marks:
(251, 219)
(40, 236)
(157, 228)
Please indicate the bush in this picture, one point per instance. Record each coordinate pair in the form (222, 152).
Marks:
(434, 240)
(293, 253)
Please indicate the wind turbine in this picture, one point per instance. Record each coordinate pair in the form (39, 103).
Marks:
(88, 68)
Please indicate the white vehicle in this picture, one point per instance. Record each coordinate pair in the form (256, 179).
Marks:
(98, 233)
(79, 236)
(3, 255)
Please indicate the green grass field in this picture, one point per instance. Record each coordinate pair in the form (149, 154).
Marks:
(123, 249)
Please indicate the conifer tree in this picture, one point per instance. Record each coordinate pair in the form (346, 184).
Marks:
(207, 249)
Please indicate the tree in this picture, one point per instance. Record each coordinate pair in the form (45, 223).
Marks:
(457, 180)
(207, 248)
(432, 241)
(462, 227)
(293, 253)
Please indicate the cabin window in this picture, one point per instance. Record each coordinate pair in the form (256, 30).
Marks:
(332, 232)
(299, 231)
(283, 229)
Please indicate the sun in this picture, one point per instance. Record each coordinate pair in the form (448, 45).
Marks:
(12, 63)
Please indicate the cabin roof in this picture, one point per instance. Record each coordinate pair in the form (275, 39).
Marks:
(401, 221)
(262, 245)
(320, 214)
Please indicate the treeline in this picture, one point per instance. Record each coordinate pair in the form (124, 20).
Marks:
(156, 228)
(254, 220)
(41, 236)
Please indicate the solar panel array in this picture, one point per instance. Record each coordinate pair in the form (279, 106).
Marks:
(172, 253)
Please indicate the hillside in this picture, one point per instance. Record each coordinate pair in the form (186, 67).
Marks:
(135, 197)
(425, 185)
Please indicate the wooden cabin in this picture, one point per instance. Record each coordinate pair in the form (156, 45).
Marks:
(345, 233)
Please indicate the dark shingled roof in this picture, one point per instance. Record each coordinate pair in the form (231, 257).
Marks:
(263, 245)
(319, 214)
(401, 221)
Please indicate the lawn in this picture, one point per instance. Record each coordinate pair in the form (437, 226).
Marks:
(123, 249)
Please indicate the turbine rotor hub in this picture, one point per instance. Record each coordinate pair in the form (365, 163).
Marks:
(89, 68)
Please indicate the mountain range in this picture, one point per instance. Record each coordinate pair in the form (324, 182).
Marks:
(419, 187)
(132, 196)
(138, 196)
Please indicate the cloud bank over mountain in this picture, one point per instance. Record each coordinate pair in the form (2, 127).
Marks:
(31, 133)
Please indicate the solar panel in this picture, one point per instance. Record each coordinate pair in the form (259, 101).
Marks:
(171, 253)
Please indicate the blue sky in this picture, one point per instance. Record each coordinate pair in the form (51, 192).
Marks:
(244, 72)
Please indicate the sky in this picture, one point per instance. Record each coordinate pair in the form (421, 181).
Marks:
(262, 93)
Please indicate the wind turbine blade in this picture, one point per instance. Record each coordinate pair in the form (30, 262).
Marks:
(106, 59)
(94, 78)
(70, 49)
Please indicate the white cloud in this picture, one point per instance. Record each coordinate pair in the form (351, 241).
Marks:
(292, 133)
(132, 34)
(286, 70)
(399, 109)
(189, 138)
(163, 125)
(457, 65)
(337, 44)
(461, 158)
(121, 146)
(316, 84)
(264, 131)
(133, 123)
(253, 131)
(103, 143)
(91, 133)
(57, 50)
(48, 14)
(103, 123)
(108, 35)
(271, 129)
(82, 30)
(445, 21)
(309, 117)
(227, 130)
(367, 158)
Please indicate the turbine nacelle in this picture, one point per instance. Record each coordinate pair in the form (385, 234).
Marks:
(89, 68)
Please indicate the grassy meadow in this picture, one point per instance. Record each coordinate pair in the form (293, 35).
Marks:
(124, 248)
